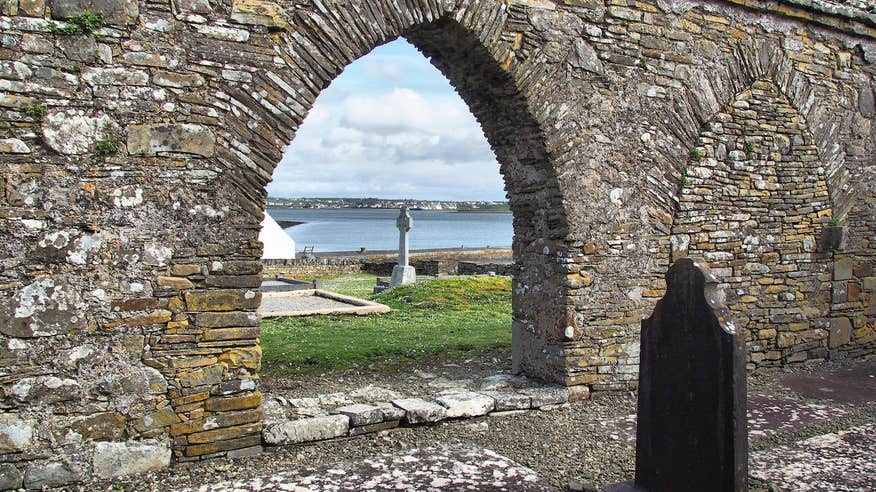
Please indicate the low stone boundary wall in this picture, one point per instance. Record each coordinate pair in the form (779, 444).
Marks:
(426, 263)
(293, 421)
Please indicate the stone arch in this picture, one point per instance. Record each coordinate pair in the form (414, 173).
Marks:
(265, 106)
(753, 202)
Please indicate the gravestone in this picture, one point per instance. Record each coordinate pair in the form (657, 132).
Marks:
(403, 273)
(692, 427)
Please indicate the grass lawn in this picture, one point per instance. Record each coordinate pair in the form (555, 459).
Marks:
(437, 316)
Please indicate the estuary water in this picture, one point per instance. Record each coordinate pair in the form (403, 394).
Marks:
(331, 230)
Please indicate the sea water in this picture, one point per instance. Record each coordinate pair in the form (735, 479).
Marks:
(374, 229)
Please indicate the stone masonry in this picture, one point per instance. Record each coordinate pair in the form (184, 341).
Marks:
(135, 156)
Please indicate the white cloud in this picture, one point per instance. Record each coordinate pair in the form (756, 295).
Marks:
(389, 142)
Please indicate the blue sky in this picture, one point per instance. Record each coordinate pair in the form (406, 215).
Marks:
(390, 126)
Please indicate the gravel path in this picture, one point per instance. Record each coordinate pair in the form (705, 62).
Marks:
(570, 444)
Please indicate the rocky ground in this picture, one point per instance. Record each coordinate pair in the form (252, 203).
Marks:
(590, 441)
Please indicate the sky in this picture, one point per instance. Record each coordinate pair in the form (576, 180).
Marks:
(390, 126)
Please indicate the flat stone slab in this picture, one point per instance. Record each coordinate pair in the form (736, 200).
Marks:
(419, 411)
(842, 461)
(420, 469)
(466, 404)
(313, 302)
(306, 430)
(851, 385)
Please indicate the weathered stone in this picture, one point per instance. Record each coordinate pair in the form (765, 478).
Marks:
(177, 80)
(226, 320)
(45, 389)
(840, 332)
(13, 146)
(79, 48)
(361, 414)
(73, 132)
(180, 138)
(419, 411)
(107, 426)
(546, 396)
(372, 393)
(390, 411)
(236, 402)
(259, 13)
(15, 434)
(692, 431)
(119, 459)
(194, 6)
(155, 420)
(118, 12)
(174, 283)
(222, 300)
(306, 430)
(201, 377)
(10, 477)
(510, 401)
(466, 404)
(246, 357)
(32, 8)
(114, 76)
(50, 475)
(372, 428)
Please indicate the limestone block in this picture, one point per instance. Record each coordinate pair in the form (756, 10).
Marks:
(15, 434)
(32, 8)
(118, 12)
(306, 430)
(510, 401)
(73, 132)
(259, 13)
(45, 389)
(106, 426)
(361, 414)
(194, 6)
(466, 404)
(119, 459)
(10, 477)
(177, 81)
(840, 332)
(96, 76)
(13, 146)
(547, 396)
(373, 393)
(49, 475)
(584, 56)
(419, 411)
(181, 138)
(390, 411)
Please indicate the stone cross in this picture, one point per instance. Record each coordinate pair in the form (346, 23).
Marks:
(404, 222)
(692, 429)
(403, 273)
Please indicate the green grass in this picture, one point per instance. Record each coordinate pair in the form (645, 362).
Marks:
(443, 316)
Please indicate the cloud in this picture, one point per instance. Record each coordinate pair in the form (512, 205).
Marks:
(389, 142)
(403, 110)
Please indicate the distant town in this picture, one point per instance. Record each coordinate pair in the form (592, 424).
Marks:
(464, 206)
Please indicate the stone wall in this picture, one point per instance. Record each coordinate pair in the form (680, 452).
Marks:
(135, 160)
(754, 203)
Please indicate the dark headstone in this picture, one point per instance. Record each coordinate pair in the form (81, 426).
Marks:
(692, 428)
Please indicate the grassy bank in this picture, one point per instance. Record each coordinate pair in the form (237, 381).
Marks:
(437, 316)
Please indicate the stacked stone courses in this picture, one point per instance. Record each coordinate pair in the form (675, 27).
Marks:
(135, 159)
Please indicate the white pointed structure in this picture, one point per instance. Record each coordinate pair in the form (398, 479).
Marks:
(278, 244)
